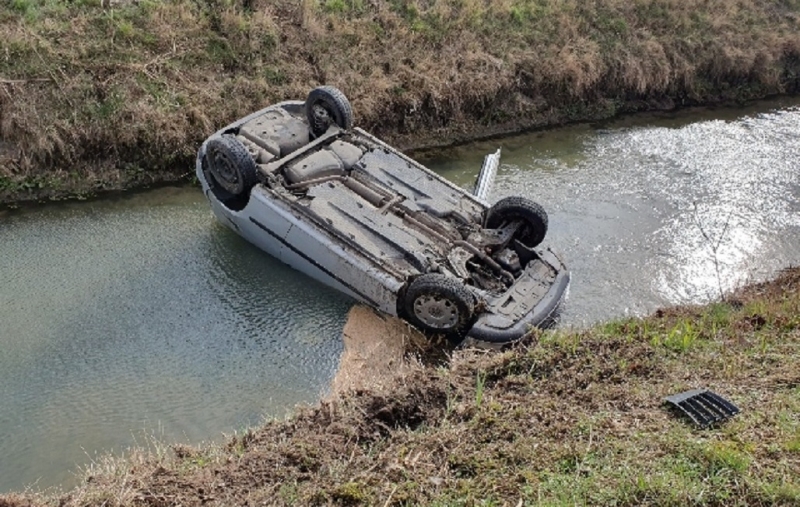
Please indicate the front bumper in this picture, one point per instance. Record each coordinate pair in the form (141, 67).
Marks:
(485, 333)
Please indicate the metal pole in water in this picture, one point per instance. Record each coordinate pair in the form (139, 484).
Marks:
(485, 180)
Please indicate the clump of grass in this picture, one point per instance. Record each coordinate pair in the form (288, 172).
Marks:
(350, 493)
(681, 338)
(480, 387)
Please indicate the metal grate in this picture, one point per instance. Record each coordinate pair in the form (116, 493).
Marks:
(703, 407)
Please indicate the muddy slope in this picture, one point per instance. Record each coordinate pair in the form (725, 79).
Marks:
(107, 95)
(379, 350)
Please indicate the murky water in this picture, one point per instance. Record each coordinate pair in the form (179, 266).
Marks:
(137, 315)
(143, 316)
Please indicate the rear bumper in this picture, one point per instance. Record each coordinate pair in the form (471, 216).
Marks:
(484, 333)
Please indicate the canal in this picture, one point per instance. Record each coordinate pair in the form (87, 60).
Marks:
(140, 317)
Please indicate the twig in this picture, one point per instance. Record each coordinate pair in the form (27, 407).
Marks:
(390, 496)
(23, 81)
(714, 246)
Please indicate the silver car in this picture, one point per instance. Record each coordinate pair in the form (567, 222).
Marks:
(300, 182)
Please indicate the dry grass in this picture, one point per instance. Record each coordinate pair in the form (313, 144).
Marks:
(94, 96)
(572, 418)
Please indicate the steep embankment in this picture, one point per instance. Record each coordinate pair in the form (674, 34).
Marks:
(99, 94)
(575, 418)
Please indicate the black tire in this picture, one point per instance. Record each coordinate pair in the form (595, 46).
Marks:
(520, 208)
(439, 303)
(220, 193)
(232, 170)
(326, 105)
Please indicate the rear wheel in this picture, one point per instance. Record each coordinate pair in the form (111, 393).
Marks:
(325, 106)
(513, 208)
(233, 171)
(439, 303)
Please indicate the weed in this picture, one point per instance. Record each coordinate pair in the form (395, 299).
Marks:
(682, 337)
(350, 493)
(784, 492)
(220, 51)
(718, 316)
(793, 445)
(275, 76)
(344, 6)
(22, 6)
(107, 107)
(480, 385)
(288, 493)
(519, 14)
(125, 29)
(7, 183)
(721, 457)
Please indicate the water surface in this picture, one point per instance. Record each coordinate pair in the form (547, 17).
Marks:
(646, 208)
(142, 316)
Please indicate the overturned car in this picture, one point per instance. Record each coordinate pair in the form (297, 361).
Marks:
(300, 182)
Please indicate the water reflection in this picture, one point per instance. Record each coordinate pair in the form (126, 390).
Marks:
(730, 195)
(647, 208)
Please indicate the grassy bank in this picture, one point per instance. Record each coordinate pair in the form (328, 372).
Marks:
(574, 418)
(103, 94)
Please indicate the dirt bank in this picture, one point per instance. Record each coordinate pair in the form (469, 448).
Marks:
(375, 351)
(107, 95)
(571, 418)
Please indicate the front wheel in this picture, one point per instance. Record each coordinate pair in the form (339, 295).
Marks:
(514, 208)
(439, 303)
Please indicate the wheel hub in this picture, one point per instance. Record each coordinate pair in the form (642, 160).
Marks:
(436, 311)
(322, 118)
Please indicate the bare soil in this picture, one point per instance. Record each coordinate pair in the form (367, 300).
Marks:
(375, 351)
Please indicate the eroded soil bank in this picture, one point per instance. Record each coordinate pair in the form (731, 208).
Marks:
(567, 418)
(98, 95)
(377, 349)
